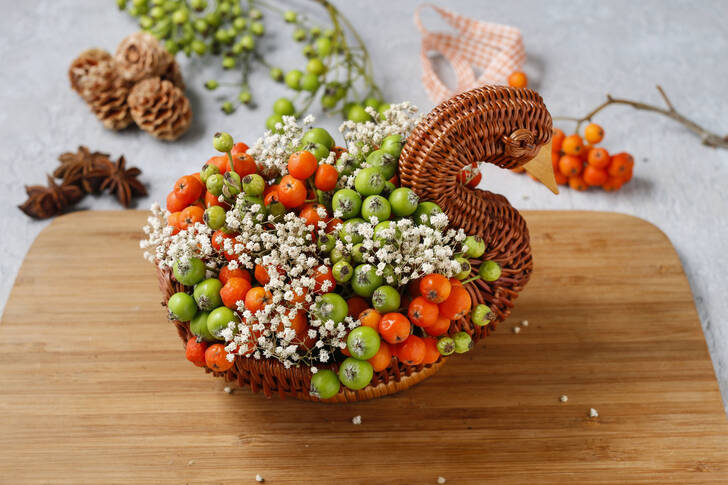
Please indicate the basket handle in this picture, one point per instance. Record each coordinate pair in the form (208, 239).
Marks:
(493, 124)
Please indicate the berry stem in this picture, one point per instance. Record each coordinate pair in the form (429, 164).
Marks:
(707, 137)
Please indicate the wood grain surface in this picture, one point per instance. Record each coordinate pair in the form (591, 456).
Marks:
(94, 387)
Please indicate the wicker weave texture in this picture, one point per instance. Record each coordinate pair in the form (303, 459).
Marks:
(494, 124)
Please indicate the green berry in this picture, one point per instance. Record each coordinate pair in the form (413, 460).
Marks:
(146, 23)
(425, 211)
(214, 183)
(228, 62)
(369, 181)
(207, 170)
(445, 345)
(318, 135)
(331, 306)
(290, 16)
(218, 320)
(372, 102)
(190, 272)
(326, 243)
(337, 255)
(342, 271)
(474, 246)
(348, 202)
(349, 232)
(385, 299)
(316, 66)
(198, 327)
(181, 307)
(257, 28)
(255, 14)
(489, 271)
(227, 107)
(376, 206)
(328, 101)
(387, 232)
(357, 114)
(239, 24)
(198, 47)
(463, 342)
(200, 25)
(253, 184)
(365, 280)
(383, 108)
(385, 162)
(317, 150)
(248, 42)
(198, 5)
(404, 201)
(389, 187)
(212, 85)
(464, 268)
(357, 253)
(293, 79)
(325, 383)
(214, 217)
(222, 142)
(276, 73)
(392, 145)
(245, 96)
(236, 50)
(299, 35)
(323, 46)
(482, 315)
(363, 343)
(284, 107)
(355, 374)
(310, 82)
(207, 294)
(233, 185)
(180, 16)
(272, 121)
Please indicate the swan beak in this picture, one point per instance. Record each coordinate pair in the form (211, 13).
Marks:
(542, 169)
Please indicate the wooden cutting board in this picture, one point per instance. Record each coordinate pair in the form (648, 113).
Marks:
(94, 386)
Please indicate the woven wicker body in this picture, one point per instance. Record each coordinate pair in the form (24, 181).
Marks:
(494, 124)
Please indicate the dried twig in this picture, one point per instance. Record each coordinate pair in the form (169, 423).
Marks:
(707, 137)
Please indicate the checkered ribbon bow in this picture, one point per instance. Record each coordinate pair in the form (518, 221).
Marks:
(495, 49)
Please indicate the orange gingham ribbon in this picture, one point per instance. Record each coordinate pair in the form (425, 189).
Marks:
(496, 49)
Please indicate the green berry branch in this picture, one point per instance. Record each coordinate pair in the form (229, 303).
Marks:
(338, 70)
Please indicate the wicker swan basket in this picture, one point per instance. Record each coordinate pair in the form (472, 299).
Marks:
(494, 124)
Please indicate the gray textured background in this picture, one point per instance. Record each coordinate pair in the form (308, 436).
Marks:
(577, 52)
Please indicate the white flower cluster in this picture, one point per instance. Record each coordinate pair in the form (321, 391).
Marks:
(363, 138)
(407, 250)
(193, 242)
(272, 150)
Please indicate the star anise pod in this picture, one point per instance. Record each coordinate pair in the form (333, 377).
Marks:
(44, 202)
(78, 168)
(121, 181)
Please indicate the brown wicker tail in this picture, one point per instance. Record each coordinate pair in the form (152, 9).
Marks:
(494, 124)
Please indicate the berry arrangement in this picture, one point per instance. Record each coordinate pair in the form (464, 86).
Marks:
(309, 253)
(337, 70)
(580, 163)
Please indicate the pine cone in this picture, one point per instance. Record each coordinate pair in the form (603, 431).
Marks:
(83, 63)
(106, 92)
(173, 73)
(160, 108)
(140, 56)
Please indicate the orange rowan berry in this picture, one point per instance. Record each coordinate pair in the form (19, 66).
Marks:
(572, 145)
(518, 79)
(593, 133)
